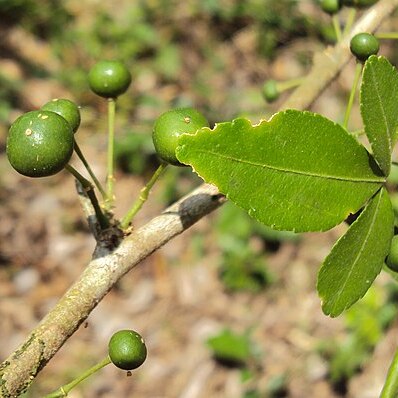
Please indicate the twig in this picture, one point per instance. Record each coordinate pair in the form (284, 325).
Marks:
(90, 206)
(329, 63)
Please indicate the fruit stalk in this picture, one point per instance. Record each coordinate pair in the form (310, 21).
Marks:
(110, 179)
(89, 189)
(144, 193)
(79, 153)
(288, 84)
(350, 21)
(337, 28)
(65, 389)
(358, 70)
(387, 35)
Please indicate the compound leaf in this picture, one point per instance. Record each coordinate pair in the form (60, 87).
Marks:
(357, 257)
(379, 108)
(299, 171)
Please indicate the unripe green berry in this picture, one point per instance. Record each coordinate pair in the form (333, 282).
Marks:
(363, 45)
(65, 108)
(270, 91)
(330, 6)
(168, 128)
(39, 143)
(109, 79)
(392, 258)
(127, 349)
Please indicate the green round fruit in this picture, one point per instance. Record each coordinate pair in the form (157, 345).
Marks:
(270, 91)
(330, 6)
(39, 143)
(170, 125)
(109, 79)
(392, 258)
(127, 349)
(65, 108)
(363, 45)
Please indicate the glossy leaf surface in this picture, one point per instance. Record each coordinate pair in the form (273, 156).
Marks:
(357, 257)
(379, 108)
(299, 171)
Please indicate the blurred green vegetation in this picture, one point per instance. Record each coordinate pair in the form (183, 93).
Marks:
(365, 323)
(44, 18)
(243, 265)
(237, 350)
(231, 349)
(162, 41)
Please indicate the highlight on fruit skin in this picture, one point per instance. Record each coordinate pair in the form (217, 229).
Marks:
(39, 143)
(65, 108)
(109, 79)
(169, 126)
(127, 349)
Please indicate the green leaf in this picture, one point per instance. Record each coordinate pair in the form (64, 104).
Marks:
(357, 257)
(379, 108)
(299, 171)
(231, 347)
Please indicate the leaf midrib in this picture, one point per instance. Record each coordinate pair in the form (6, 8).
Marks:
(359, 253)
(299, 172)
(377, 91)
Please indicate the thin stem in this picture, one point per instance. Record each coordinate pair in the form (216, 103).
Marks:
(358, 133)
(390, 389)
(288, 84)
(350, 21)
(337, 27)
(110, 179)
(89, 189)
(386, 35)
(358, 70)
(144, 193)
(89, 170)
(65, 389)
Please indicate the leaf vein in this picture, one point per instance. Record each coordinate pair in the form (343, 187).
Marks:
(379, 103)
(299, 172)
(360, 251)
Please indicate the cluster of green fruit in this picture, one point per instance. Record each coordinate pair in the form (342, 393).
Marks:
(40, 143)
